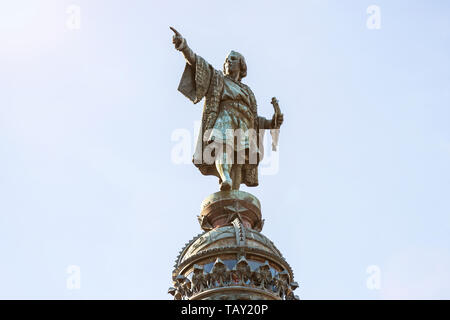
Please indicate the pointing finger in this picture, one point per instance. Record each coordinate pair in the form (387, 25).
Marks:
(175, 31)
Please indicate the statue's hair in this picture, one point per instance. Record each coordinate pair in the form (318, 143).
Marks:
(242, 64)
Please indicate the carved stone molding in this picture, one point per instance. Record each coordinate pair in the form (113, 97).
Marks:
(235, 240)
(240, 280)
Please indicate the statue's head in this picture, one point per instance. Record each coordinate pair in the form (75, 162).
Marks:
(234, 63)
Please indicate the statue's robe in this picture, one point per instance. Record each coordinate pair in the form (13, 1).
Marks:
(203, 81)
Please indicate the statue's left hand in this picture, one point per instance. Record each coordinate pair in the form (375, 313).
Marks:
(279, 121)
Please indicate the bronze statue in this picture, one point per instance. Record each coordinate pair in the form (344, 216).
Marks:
(229, 121)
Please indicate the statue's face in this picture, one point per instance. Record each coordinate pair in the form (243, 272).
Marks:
(232, 63)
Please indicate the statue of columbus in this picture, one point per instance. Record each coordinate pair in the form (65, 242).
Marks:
(229, 145)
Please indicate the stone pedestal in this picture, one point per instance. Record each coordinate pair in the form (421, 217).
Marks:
(221, 208)
(231, 260)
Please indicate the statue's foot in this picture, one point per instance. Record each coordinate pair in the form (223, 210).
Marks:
(226, 185)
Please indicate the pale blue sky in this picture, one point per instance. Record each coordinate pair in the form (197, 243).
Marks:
(86, 118)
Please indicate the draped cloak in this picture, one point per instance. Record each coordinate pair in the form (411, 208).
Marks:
(203, 81)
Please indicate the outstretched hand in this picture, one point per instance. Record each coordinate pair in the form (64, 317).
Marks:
(177, 38)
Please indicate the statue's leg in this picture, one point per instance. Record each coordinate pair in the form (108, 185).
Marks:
(223, 166)
(236, 174)
(236, 171)
(232, 174)
(224, 172)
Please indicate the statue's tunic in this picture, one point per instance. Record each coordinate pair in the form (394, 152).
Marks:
(234, 115)
(229, 104)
